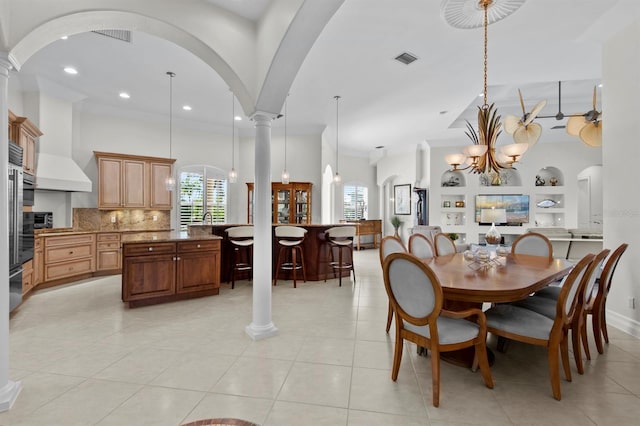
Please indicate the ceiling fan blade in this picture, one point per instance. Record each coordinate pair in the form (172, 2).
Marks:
(521, 103)
(591, 134)
(575, 124)
(534, 130)
(535, 111)
(511, 123)
(529, 134)
(594, 97)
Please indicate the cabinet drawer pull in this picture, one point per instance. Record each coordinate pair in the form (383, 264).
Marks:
(70, 251)
(150, 248)
(178, 258)
(198, 245)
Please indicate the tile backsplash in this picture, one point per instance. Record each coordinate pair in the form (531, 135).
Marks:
(87, 219)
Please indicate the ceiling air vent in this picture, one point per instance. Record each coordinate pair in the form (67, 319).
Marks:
(406, 58)
(122, 35)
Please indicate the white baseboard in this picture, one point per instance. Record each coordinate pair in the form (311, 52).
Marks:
(628, 325)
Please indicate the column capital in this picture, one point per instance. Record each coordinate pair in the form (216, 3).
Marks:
(5, 64)
(263, 117)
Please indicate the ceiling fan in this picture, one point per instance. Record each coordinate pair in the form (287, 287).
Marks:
(586, 126)
(523, 129)
(559, 115)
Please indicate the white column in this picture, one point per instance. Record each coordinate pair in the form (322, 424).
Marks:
(261, 326)
(9, 390)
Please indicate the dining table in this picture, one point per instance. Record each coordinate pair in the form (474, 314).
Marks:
(499, 279)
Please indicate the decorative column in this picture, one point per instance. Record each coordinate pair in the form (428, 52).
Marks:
(261, 326)
(9, 390)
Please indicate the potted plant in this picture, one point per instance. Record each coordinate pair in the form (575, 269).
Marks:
(396, 222)
(453, 236)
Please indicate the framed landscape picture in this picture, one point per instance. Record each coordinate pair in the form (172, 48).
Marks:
(402, 199)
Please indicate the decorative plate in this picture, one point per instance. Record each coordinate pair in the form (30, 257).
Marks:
(546, 203)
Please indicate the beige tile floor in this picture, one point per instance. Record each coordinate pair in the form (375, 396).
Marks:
(83, 359)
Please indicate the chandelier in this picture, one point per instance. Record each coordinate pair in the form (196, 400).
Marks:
(481, 157)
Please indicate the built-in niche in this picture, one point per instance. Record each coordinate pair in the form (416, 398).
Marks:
(453, 179)
(549, 176)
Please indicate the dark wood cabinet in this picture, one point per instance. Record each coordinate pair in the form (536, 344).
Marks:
(291, 202)
(166, 271)
(198, 266)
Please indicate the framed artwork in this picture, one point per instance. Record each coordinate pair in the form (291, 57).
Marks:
(402, 199)
(459, 203)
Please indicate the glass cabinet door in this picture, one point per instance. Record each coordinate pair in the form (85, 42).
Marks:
(290, 203)
(283, 206)
(301, 206)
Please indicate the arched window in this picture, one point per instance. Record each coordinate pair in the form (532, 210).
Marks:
(202, 189)
(356, 202)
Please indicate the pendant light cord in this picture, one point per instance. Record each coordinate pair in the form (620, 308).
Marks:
(285, 132)
(171, 75)
(337, 98)
(485, 4)
(233, 132)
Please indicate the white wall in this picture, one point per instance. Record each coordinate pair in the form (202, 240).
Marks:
(303, 163)
(621, 92)
(398, 169)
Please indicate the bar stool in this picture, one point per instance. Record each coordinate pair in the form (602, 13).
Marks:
(341, 237)
(290, 239)
(241, 239)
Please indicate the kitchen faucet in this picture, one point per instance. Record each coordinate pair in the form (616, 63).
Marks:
(204, 216)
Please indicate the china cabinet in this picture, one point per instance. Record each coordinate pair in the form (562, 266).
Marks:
(290, 203)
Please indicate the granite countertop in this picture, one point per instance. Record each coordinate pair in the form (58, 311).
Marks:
(72, 231)
(164, 236)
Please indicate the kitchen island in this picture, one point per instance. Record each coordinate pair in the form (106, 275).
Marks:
(316, 251)
(160, 267)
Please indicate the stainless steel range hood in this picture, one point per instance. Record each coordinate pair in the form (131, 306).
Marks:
(59, 173)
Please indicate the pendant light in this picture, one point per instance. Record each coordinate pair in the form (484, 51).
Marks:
(337, 179)
(285, 174)
(170, 181)
(233, 175)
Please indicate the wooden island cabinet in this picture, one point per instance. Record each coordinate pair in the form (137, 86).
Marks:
(167, 266)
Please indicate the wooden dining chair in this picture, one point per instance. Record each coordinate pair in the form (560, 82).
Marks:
(390, 244)
(598, 316)
(596, 303)
(546, 306)
(533, 243)
(420, 246)
(443, 244)
(524, 325)
(416, 296)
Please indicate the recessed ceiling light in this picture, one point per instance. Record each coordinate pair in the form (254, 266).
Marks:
(481, 95)
(70, 70)
(600, 85)
(186, 108)
(64, 37)
(124, 95)
(237, 118)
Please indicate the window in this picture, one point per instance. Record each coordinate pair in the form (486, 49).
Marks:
(355, 203)
(202, 188)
